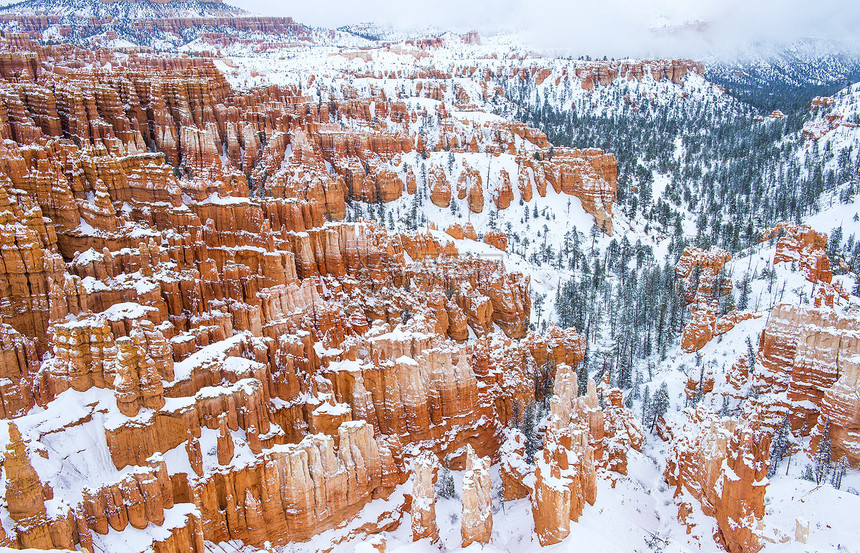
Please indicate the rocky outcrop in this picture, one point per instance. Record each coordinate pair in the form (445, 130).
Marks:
(440, 188)
(805, 352)
(26, 495)
(477, 519)
(590, 175)
(722, 463)
(564, 481)
(424, 469)
(497, 239)
(803, 246)
(840, 406)
(700, 275)
(181, 298)
(514, 467)
(705, 323)
(581, 436)
(702, 283)
(622, 432)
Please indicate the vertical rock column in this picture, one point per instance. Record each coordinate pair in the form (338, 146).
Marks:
(514, 467)
(565, 479)
(477, 521)
(24, 494)
(424, 469)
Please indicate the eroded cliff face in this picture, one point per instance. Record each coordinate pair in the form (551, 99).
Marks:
(581, 438)
(477, 520)
(722, 463)
(100, 131)
(803, 246)
(803, 370)
(806, 357)
(702, 283)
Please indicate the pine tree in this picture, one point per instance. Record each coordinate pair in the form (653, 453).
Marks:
(839, 473)
(582, 378)
(724, 410)
(779, 446)
(637, 386)
(822, 456)
(744, 300)
(661, 404)
(516, 413)
(445, 484)
(529, 430)
(646, 405)
(750, 355)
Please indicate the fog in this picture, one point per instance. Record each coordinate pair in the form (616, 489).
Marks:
(598, 27)
(615, 28)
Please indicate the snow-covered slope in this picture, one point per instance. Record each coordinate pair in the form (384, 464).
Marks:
(71, 10)
(771, 76)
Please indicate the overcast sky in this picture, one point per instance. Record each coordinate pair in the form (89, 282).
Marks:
(596, 27)
(615, 28)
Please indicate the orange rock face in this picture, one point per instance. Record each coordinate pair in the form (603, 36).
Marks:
(803, 246)
(514, 468)
(701, 281)
(590, 175)
(580, 438)
(705, 323)
(477, 519)
(723, 464)
(699, 273)
(504, 194)
(841, 408)
(179, 287)
(564, 481)
(440, 188)
(424, 469)
(497, 239)
(805, 353)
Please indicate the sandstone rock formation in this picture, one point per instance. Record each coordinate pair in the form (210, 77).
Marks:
(699, 273)
(227, 358)
(807, 354)
(564, 482)
(477, 519)
(514, 468)
(424, 469)
(581, 437)
(722, 463)
(702, 283)
(803, 246)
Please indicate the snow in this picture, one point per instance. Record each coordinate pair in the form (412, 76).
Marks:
(127, 310)
(70, 432)
(132, 539)
(208, 355)
(336, 410)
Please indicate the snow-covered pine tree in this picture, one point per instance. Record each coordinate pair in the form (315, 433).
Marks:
(445, 484)
(779, 446)
(646, 405)
(637, 385)
(822, 455)
(750, 355)
(661, 404)
(582, 377)
(744, 299)
(839, 472)
(529, 430)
